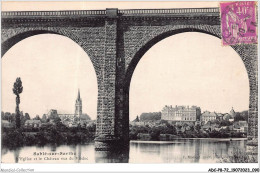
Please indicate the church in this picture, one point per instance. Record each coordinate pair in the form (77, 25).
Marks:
(78, 106)
(71, 119)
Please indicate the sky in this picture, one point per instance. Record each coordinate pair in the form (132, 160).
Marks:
(189, 69)
(184, 69)
(52, 69)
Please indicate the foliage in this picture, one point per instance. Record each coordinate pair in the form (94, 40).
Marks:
(225, 123)
(44, 118)
(37, 117)
(239, 156)
(152, 116)
(17, 90)
(241, 116)
(179, 130)
(47, 134)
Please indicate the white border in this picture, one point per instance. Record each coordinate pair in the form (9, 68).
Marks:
(194, 167)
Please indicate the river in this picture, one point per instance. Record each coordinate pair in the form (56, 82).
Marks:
(177, 151)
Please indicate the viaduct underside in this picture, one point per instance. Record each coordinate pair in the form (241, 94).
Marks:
(115, 40)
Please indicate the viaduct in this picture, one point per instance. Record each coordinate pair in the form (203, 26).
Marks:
(115, 40)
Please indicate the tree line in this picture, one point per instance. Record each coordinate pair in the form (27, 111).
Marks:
(194, 131)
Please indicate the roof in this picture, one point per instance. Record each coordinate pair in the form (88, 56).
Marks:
(243, 123)
(5, 122)
(78, 98)
(210, 114)
(177, 108)
(226, 115)
(232, 112)
(220, 115)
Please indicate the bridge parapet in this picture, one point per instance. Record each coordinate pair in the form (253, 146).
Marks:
(7, 14)
(176, 11)
(126, 12)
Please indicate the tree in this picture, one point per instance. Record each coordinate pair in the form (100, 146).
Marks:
(22, 119)
(239, 117)
(225, 123)
(17, 90)
(57, 120)
(3, 116)
(197, 127)
(12, 118)
(152, 116)
(44, 118)
(137, 119)
(27, 116)
(155, 133)
(37, 117)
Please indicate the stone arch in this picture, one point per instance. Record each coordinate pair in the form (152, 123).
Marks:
(11, 38)
(248, 54)
(10, 42)
(149, 43)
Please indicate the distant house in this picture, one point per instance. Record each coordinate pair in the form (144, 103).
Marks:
(208, 116)
(232, 113)
(73, 124)
(210, 127)
(90, 123)
(197, 123)
(229, 116)
(220, 116)
(240, 126)
(134, 123)
(231, 119)
(33, 123)
(6, 123)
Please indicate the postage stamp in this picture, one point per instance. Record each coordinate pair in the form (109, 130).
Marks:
(238, 22)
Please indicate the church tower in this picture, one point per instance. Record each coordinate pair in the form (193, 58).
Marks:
(78, 106)
(232, 113)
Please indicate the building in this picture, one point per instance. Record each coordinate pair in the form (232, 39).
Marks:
(232, 113)
(6, 124)
(181, 113)
(71, 120)
(220, 116)
(78, 106)
(240, 126)
(208, 116)
(52, 114)
(230, 116)
(33, 123)
(209, 126)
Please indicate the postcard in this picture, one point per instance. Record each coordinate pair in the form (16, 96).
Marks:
(129, 82)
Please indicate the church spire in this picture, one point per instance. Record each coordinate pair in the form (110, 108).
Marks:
(78, 106)
(78, 95)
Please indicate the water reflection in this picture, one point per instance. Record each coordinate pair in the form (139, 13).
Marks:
(112, 156)
(177, 151)
(16, 155)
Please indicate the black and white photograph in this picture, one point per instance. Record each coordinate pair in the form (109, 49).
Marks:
(129, 82)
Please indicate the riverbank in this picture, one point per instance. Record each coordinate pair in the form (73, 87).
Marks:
(209, 139)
